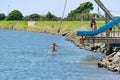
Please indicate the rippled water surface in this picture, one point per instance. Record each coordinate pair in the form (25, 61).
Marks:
(27, 56)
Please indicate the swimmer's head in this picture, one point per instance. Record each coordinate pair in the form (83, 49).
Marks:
(54, 43)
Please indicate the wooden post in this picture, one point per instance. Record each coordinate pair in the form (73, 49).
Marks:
(106, 21)
(108, 48)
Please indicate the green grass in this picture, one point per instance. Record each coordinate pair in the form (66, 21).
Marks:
(67, 24)
(15, 24)
(4, 24)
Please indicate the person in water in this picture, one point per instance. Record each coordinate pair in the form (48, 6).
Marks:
(54, 48)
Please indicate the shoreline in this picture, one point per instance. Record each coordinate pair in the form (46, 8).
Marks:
(107, 62)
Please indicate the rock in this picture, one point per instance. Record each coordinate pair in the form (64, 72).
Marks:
(111, 62)
(100, 65)
(116, 58)
(64, 34)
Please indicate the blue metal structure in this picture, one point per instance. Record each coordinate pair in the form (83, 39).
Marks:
(99, 30)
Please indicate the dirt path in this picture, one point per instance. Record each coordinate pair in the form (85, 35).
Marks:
(31, 23)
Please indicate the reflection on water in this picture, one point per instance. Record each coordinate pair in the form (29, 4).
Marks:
(25, 56)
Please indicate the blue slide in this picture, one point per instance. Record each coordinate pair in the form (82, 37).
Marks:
(99, 30)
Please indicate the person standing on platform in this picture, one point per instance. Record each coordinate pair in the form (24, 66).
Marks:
(93, 24)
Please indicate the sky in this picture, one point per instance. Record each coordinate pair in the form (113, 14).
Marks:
(27, 7)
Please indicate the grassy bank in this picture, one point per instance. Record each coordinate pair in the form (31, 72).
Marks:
(51, 27)
(19, 25)
(68, 24)
(65, 24)
(67, 27)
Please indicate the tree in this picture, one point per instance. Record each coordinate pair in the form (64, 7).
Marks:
(50, 17)
(15, 15)
(70, 16)
(34, 17)
(2, 16)
(26, 18)
(83, 9)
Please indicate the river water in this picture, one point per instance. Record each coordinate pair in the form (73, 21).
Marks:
(27, 56)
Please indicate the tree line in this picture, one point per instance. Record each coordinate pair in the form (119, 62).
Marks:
(81, 13)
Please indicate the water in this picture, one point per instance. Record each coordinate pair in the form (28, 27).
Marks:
(26, 56)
